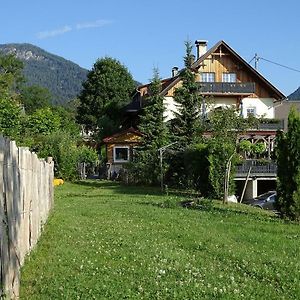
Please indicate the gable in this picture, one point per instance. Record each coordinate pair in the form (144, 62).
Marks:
(128, 136)
(223, 59)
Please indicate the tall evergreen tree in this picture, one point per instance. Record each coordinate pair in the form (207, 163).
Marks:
(152, 123)
(187, 122)
(288, 163)
(155, 135)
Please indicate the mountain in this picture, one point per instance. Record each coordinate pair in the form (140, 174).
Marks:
(62, 77)
(295, 95)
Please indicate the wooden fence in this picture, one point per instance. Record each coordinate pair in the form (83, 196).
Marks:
(26, 197)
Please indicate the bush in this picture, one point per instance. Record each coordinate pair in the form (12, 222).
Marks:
(65, 152)
(197, 168)
(219, 154)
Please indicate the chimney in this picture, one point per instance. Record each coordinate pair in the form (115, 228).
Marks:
(201, 46)
(175, 71)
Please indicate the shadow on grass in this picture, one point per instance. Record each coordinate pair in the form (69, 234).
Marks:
(231, 211)
(118, 187)
(206, 205)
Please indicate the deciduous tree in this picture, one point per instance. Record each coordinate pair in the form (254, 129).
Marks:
(35, 97)
(107, 89)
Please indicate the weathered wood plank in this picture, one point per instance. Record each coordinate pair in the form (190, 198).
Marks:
(26, 196)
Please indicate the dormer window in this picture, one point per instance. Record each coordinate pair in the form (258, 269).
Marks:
(207, 77)
(228, 77)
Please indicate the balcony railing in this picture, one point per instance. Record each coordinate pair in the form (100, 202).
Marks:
(226, 88)
(271, 124)
(258, 168)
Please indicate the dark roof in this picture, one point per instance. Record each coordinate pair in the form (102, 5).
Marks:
(133, 106)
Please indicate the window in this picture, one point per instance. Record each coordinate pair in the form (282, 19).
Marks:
(251, 111)
(228, 77)
(121, 153)
(207, 77)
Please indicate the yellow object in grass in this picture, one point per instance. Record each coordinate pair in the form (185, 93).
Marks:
(58, 181)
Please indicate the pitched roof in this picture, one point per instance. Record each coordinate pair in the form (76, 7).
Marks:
(116, 135)
(279, 95)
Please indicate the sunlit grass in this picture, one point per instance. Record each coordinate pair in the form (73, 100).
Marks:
(106, 241)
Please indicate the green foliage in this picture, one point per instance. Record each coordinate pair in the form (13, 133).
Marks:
(87, 155)
(43, 121)
(35, 97)
(187, 129)
(67, 120)
(10, 117)
(10, 73)
(145, 169)
(197, 168)
(288, 162)
(53, 132)
(225, 126)
(259, 148)
(107, 89)
(250, 150)
(246, 147)
(146, 166)
(176, 174)
(219, 154)
(152, 123)
(66, 153)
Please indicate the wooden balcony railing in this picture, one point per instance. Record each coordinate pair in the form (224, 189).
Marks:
(258, 168)
(226, 88)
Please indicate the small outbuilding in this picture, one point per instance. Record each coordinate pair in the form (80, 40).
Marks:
(120, 150)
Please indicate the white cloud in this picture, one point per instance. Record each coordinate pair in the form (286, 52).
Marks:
(55, 32)
(67, 28)
(94, 24)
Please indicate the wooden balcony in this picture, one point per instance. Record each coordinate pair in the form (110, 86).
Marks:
(227, 88)
(270, 125)
(258, 168)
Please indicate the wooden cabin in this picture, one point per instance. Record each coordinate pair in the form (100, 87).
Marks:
(119, 149)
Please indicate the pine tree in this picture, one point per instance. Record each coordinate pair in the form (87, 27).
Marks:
(155, 135)
(187, 122)
(152, 123)
(288, 163)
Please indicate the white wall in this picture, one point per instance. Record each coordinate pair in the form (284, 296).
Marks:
(219, 102)
(170, 107)
(264, 107)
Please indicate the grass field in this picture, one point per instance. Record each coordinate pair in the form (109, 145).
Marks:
(106, 241)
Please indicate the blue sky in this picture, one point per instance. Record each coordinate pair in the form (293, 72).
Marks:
(146, 34)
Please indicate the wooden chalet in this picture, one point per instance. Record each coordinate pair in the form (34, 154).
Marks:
(224, 79)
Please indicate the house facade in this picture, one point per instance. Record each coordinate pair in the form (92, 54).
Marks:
(224, 78)
(282, 110)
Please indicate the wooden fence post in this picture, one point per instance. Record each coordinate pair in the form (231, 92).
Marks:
(26, 196)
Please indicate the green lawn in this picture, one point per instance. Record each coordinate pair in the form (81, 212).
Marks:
(106, 241)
